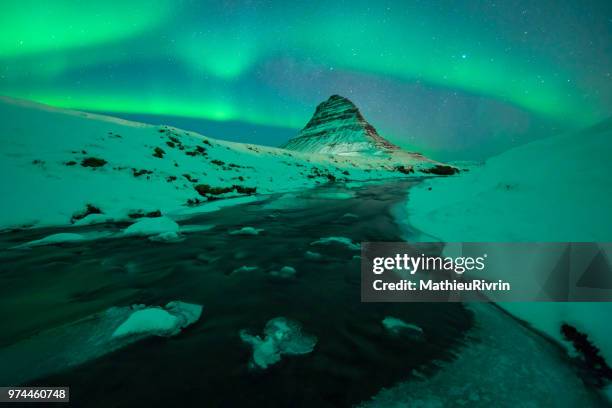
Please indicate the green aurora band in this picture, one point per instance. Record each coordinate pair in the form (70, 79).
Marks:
(44, 41)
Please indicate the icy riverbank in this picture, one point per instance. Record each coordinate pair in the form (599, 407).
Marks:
(553, 190)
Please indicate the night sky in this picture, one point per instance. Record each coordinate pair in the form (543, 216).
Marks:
(456, 80)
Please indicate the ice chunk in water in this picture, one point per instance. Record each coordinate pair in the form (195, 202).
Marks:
(245, 268)
(246, 231)
(399, 327)
(281, 336)
(152, 319)
(169, 236)
(314, 256)
(167, 321)
(285, 272)
(347, 242)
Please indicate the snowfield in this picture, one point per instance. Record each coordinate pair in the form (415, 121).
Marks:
(552, 190)
(62, 167)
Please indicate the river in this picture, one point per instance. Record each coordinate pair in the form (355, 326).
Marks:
(47, 288)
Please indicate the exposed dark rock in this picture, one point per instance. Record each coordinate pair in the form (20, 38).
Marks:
(93, 162)
(159, 152)
(597, 369)
(405, 169)
(189, 178)
(140, 214)
(138, 173)
(441, 170)
(206, 190)
(89, 209)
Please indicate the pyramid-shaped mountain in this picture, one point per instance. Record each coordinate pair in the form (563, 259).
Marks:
(337, 127)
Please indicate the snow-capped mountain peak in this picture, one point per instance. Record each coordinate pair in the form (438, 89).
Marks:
(338, 127)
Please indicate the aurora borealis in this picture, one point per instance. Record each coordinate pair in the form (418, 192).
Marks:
(454, 79)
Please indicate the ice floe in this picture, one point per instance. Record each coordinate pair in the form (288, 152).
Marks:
(158, 321)
(314, 256)
(246, 231)
(245, 268)
(282, 336)
(398, 327)
(347, 242)
(284, 272)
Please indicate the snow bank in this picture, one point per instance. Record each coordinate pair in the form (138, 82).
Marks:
(152, 226)
(160, 229)
(282, 336)
(64, 237)
(553, 190)
(54, 239)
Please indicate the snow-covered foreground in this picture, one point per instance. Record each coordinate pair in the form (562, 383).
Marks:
(59, 167)
(553, 190)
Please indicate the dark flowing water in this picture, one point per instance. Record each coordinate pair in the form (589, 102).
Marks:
(208, 364)
(354, 357)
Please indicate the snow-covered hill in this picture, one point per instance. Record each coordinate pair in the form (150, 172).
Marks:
(556, 190)
(552, 190)
(58, 167)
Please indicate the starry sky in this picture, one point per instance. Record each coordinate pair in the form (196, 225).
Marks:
(458, 80)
